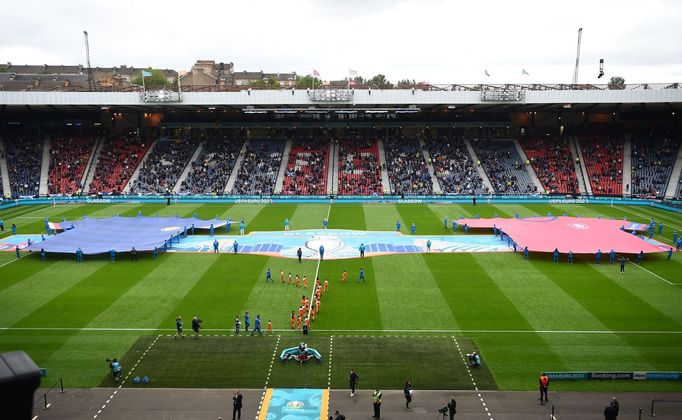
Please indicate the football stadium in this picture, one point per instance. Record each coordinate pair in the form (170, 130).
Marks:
(197, 249)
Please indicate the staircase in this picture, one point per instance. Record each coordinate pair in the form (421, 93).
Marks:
(89, 173)
(188, 168)
(479, 168)
(579, 174)
(332, 167)
(140, 165)
(429, 165)
(583, 168)
(384, 172)
(529, 167)
(672, 184)
(279, 182)
(4, 172)
(45, 167)
(627, 165)
(237, 165)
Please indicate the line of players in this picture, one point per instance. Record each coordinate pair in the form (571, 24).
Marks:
(307, 310)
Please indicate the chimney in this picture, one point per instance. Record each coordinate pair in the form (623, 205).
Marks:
(36, 82)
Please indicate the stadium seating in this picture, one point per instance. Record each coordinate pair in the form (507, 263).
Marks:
(408, 173)
(604, 162)
(259, 169)
(653, 158)
(359, 171)
(307, 168)
(211, 170)
(553, 163)
(505, 169)
(68, 160)
(24, 155)
(455, 170)
(163, 167)
(116, 163)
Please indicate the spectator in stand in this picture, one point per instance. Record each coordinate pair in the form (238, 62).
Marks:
(117, 162)
(211, 170)
(259, 169)
(359, 170)
(24, 155)
(408, 172)
(163, 167)
(454, 168)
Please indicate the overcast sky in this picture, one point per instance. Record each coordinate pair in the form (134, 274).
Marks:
(436, 41)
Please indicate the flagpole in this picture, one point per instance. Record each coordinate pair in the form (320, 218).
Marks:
(144, 89)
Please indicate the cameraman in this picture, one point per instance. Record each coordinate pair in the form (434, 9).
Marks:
(452, 407)
(116, 369)
(474, 360)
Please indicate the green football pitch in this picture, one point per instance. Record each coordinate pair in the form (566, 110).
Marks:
(415, 318)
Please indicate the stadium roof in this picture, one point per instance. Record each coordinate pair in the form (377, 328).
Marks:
(498, 99)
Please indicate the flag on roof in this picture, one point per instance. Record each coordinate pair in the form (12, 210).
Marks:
(146, 73)
(315, 73)
(486, 73)
(352, 72)
(524, 72)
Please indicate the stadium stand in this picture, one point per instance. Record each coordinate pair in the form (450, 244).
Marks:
(259, 168)
(24, 154)
(116, 163)
(407, 170)
(68, 159)
(306, 172)
(553, 163)
(211, 170)
(163, 167)
(455, 170)
(604, 162)
(653, 158)
(504, 166)
(359, 171)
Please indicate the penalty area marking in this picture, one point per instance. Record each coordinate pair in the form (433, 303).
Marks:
(127, 376)
(473, 381)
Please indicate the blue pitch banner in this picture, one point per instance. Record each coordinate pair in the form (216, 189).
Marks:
(615, 376)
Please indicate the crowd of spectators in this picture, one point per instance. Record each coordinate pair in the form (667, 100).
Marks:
(211, 170)
(503, 165)
(408, 172)
(306, 172)
(603, 157)
(24, 156)
(359, 170)
(258, 171)
(553, 163)
(68, 159)
(653, 158)
(454, 167)
(116, 163)
(161, 170)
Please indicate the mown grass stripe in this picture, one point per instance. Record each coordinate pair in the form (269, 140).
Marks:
(416, 290)
(383, 217)
(550, 308)
(42, 284)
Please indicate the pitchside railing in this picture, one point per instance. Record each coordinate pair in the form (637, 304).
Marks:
(653, 406)
(43, 397)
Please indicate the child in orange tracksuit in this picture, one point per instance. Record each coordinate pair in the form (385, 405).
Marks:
(291, 279)
(317, 306)
(281, 275)
(293, 320)
(326, 285)
(298, 324)
(298, 281)
(269, 327)
(344, 276)
(305, 282)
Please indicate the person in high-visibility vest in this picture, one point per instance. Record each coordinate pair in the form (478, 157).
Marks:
(544, 385)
